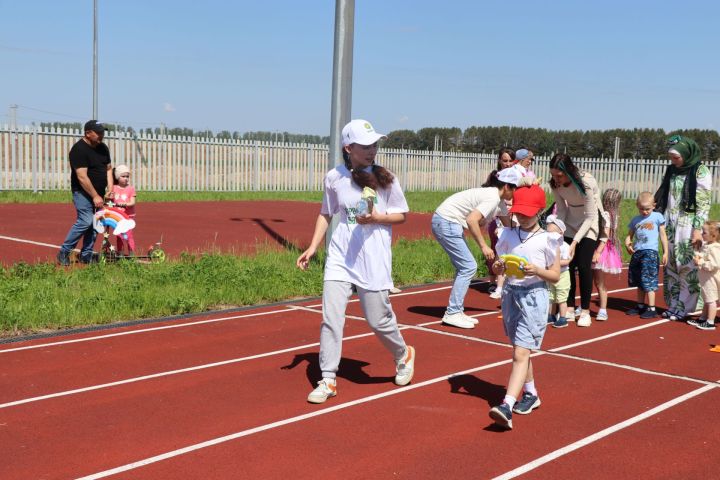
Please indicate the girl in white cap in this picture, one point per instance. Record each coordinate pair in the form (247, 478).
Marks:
(123, 195)
(359, 254)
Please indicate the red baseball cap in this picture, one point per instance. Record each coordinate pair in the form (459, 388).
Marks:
(528, 201)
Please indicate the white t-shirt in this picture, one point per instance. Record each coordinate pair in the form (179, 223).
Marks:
(564, 255)
(485, 200)
(539, 248)
(359, 254)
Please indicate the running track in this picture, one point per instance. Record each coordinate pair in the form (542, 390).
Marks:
(222, 396)
(33, 232)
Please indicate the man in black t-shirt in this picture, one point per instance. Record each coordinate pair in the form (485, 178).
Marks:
(91, 176)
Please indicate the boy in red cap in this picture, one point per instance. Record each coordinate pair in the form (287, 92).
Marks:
(525, 297)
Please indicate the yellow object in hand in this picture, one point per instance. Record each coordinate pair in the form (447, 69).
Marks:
(514, 265)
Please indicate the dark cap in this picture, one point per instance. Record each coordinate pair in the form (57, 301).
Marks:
(95, 126)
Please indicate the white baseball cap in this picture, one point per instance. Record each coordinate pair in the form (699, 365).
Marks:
(509, 175)
(360, 132)
(555, 220)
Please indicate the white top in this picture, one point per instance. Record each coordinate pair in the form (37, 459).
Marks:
(539, 248)
(485, 200)
(564, 255)
(359, 254)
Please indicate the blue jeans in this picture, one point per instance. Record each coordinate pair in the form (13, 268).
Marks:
(83, 228)
(450, 237)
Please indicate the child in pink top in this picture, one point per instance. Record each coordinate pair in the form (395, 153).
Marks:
(124, 199)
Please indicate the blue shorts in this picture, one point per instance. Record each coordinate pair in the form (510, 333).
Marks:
(644, 270)
(525, 310)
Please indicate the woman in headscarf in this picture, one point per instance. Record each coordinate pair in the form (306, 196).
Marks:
(684, 198)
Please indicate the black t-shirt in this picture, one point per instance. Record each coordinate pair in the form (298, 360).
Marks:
(95, 160)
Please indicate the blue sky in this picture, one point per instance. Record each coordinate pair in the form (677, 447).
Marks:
(267, 65)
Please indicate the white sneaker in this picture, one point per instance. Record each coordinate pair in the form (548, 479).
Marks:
(326, 388)
(578, 311)
(395, 291)
(601, 316)
(471, 319)
(406, 367)
(584, 320)
(496, 294)
(458, 319)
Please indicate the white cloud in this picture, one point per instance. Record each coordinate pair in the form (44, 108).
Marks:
(168, 107)
(403, 119)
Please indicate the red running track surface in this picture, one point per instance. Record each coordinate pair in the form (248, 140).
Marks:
(222, 396)
(232, 227)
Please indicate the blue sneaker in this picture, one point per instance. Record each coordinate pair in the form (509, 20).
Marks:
(502, 416)
(561, 322)
(551, 318)
(527, 404)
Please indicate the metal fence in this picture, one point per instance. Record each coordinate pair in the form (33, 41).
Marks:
(34, 158)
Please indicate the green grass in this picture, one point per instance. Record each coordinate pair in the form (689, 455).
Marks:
(418, 201)
(41, 297)
(63, 196)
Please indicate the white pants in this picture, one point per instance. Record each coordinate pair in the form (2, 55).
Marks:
(378, 312)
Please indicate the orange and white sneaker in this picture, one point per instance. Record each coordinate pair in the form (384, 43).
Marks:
(406, 367)
(326, 388)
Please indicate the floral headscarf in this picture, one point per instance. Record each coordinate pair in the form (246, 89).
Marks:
(692, 159)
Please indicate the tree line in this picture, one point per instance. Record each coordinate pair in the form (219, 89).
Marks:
(640, 143)
(645, 143)
(189, 132)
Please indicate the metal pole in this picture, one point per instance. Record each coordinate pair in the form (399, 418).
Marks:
(341, 86)
(95, 76)
(342, 76)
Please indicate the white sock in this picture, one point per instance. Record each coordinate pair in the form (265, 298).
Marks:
(530, 387)
(510, 401)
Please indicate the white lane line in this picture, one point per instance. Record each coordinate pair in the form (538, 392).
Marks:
(167, 373)
(20, 240)
(280, 423)
(142, 330)
(601, 434)
(286, 350)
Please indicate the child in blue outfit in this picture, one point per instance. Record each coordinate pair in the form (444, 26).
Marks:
(525, 297)
(641, 242)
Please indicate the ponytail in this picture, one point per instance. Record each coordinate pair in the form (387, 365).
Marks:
(378, 177)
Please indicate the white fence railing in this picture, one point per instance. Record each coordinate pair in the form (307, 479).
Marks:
(33, 158)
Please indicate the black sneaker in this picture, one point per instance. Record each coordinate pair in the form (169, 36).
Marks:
(492, 288)
(705, 326)
(636, 310)
(694, 323)
(502, 416)
(649, 314)
(527, 404)
(63, 258)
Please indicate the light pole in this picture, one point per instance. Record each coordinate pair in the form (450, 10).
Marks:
(341, 86)
(95, 77)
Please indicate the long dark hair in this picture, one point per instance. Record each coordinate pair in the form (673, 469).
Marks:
(494, 173)
(378, 176)
(564, 163)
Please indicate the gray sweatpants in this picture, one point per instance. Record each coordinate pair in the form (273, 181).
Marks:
(379, 315)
